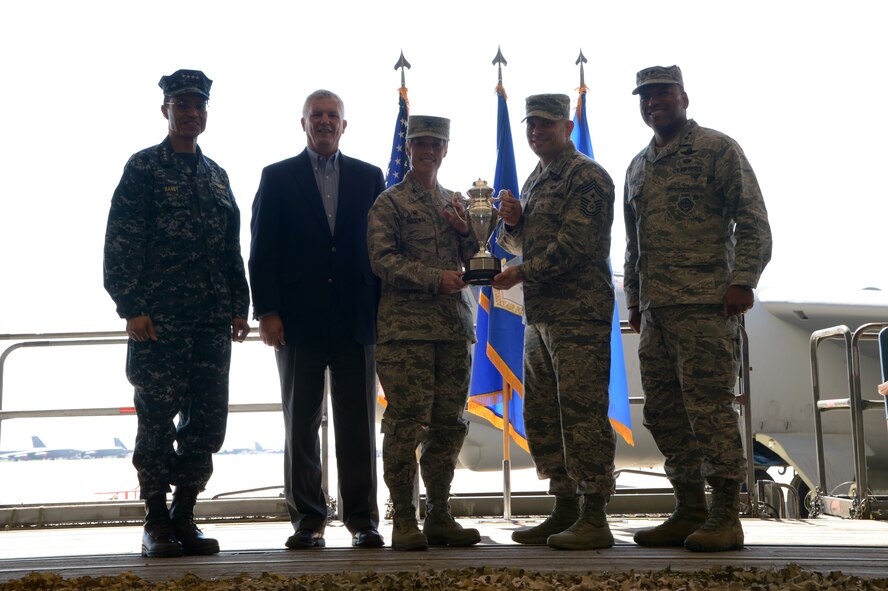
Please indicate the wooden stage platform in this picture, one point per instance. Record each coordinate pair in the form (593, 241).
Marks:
(824, 544)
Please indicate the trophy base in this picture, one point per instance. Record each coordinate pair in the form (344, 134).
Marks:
(481, 270)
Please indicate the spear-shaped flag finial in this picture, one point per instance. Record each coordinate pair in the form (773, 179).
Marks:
(402, 63)
(499, 61)
(580, 61)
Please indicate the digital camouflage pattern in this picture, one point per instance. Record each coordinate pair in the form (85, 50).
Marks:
(426, 385)
(428, 126)
(564, 237)
(423, 356)
(696, 223)
(172, 252)
(173, 238)
(658, 75)
(691, 417)
(186, 82)
(681, 204)
(566, 377)
(547, 106)
(411, 244)
(185, 371)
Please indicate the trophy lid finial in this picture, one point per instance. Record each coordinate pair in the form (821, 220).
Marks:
(480, 190)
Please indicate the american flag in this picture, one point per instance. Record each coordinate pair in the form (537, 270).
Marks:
(398, 164)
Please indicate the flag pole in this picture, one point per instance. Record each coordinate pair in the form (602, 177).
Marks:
(403, 63)
(499, 61)
(507, 462)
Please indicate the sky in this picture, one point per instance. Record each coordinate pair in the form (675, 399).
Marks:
(791, 81)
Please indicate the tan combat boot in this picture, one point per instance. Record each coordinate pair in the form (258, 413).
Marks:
(689, 515)
(406, 535)
(564, 514)
(441, 528)
(722, 530)
(405, 532)
(589, 532)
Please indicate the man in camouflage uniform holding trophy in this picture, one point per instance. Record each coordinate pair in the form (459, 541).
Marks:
(697, 241)
(562, 229)
(418, 242)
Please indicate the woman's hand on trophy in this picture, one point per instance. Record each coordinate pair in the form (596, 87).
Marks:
(451, 282)
(457, 217)
(510, 208)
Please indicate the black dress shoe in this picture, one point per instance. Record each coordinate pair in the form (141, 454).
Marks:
(367, 538)
(305, 538)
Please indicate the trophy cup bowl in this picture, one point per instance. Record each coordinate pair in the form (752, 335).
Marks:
(480, 215)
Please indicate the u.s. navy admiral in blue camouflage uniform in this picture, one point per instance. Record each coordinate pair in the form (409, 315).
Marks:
(173, 266)
(562, 228)
(697, 241)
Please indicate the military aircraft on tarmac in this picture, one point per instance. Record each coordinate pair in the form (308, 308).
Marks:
(41, 452)
(120, 450)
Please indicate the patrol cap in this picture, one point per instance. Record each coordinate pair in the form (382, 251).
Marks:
(548, 106)
(426, 125)
(658, 75)
(184, 82)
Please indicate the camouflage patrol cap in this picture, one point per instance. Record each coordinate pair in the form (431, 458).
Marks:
(658, 75)
(184, 82)
(547, 106)
(428, 126)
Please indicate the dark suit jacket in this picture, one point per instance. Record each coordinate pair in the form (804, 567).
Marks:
(297, 267)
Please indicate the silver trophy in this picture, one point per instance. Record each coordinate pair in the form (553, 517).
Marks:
(480, 216)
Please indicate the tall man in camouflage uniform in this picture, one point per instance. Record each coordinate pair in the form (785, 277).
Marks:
(561, 227)
(418, 243)
(173, 266)
(697, 241)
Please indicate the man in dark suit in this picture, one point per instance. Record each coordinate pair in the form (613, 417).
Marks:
(316, 299)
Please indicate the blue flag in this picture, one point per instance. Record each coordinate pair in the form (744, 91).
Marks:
(398, 164)
(618, 411)
(498, 364)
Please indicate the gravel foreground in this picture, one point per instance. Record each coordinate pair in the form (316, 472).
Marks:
(790, 578)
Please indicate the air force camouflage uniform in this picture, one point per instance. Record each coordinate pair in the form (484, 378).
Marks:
(695, 224)
(564, 237)
(423, 355)
(172, 252)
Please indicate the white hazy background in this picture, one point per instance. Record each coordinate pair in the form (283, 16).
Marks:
(798, 84)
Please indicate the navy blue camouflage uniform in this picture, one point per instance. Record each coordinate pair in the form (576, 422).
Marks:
(172, 252)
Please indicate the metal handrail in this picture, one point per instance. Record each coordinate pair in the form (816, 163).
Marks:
(91, 338)
(864, 332)
(855, 404)
(817, 337)
(95, 338)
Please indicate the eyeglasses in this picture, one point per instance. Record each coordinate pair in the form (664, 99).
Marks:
(185, 106)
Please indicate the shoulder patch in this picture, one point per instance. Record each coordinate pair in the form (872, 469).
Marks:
(591, 198)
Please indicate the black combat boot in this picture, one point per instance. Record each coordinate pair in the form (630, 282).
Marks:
(722, 530)
(158, 539)
(440, 528)
(194, 542)
(589, 532)
(565, 514)
(689, 515)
